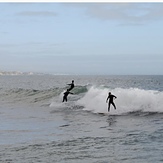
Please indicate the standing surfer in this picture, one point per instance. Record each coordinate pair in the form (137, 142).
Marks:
(110, 97)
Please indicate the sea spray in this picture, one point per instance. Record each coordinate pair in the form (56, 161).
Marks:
(128, 100)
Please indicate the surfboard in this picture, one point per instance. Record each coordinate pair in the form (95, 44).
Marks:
(103, 113)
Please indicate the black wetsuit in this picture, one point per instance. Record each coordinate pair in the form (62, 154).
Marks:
(65, 95)
(71, 86)
(110, 97)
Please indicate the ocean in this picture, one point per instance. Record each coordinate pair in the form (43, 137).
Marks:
(36, 127)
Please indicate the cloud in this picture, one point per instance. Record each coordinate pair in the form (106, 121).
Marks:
(123, 13)
(37, 13)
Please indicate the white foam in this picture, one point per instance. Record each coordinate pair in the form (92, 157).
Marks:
(128, 100)
(57, 101)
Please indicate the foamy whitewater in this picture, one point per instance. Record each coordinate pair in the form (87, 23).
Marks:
(35, 126)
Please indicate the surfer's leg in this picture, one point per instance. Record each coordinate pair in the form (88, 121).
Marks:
(108, 106)
(114, 105)
(64, 98)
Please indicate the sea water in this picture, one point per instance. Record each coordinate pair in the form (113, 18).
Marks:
(35, 126)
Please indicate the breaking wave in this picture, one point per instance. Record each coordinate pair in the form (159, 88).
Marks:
(91, 98)
(128, 100)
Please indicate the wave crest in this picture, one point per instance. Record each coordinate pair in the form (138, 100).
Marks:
(128, 100)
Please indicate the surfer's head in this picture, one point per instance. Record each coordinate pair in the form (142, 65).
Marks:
(109, 93)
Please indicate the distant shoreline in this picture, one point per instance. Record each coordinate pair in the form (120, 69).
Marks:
(15, 73)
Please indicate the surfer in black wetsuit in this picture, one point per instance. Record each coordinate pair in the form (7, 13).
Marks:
(110, 97)
(71, 85)
(65, 95)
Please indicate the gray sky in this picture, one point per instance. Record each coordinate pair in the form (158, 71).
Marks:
(82, 38)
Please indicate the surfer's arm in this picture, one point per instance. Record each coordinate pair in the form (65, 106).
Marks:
(107, 99)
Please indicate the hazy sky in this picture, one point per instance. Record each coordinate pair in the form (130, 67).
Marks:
(82, 38)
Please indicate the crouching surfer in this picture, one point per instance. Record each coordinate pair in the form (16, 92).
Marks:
(110, 97)
(66, 94)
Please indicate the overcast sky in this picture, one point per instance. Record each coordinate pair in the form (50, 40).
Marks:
(82, 38)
